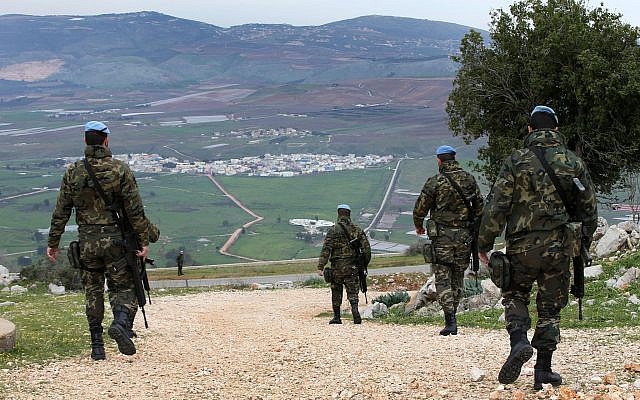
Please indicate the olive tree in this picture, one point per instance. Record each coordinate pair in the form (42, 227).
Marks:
(584, 63)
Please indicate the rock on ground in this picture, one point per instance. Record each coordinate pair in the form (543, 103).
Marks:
(8, 335)
(272, 345)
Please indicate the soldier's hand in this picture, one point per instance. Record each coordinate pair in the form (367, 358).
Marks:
(143, 253)
(320, 272)
(52, 253)
(483, 258)
(420, 231)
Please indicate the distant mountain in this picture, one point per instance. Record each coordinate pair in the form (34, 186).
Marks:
(148, 49)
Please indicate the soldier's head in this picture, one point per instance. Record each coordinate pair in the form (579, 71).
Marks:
(96, 134)
(543, 117)
(445, 153)
(344, 210)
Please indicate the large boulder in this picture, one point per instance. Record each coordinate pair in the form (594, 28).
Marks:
(55, 289)
(629, 226)
(374, 310)
(603, 225)
(17, 289)
(8, 335)
(593, 271)
(612, 241)
(627, 278)
(422, 297)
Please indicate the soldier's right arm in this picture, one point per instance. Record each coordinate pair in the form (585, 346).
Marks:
(327, 247)
(425, 202)
(62, 212)
(497, 208)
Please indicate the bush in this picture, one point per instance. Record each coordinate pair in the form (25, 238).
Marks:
(414, 250)
(60, 274)
(392, 298)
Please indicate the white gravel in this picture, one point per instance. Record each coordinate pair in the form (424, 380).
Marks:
(271, 345)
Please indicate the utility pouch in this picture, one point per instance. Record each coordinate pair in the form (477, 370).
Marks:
(73, 253)
(328, 275)
(500, 268)
(572, 238)
(429, 253)
(432, 228)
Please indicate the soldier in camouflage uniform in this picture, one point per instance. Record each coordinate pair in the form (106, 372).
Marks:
(451, 229)
(540, 238)
(337, 249)
(101, 249)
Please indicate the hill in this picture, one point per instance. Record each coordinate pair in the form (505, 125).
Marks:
(153, 50)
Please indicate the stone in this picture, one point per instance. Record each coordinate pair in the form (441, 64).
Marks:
(633, 299)
(627, 278)
(603, 225)
(610, 378)
(17, 289)
(374, 310)
(7, 304)
(8, 335)
(422, 297)
(567, 393)
(611, 282)
(611, 242)
(590, 302)
(477, 374)
(593, 271)
(55, 289)
(490, 288)
(501, 317)
(629, 226)
(632, 366)
(283, 285)
(519, 394)
(636, 384)
(596, 380)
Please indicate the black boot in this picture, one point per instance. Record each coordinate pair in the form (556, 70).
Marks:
(543, 373)
(356, 313)
(97, 344)
(118, 331)
(336, 316)
(450, 325)
(521, 352)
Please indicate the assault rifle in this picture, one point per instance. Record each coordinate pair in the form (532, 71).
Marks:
(580, 262)
(136, 264)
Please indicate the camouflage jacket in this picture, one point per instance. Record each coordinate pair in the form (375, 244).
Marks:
(77, 191)
(439, 198)
(336, 247)
(525, 200)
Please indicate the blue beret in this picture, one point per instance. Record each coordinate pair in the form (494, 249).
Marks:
(546, 110)
(96, 126)
(344, 206)
(445, 150)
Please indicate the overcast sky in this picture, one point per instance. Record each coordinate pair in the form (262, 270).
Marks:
(226, 13)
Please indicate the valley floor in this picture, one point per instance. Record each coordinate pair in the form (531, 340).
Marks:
(271, 345)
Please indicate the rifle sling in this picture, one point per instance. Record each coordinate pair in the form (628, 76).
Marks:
(458, 189)
(344, 230)
(100, 191)
(540, 154)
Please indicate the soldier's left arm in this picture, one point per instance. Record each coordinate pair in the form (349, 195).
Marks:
(424, 202)
(62, 212)
(327, 246)
(132, 203)
(497, 209)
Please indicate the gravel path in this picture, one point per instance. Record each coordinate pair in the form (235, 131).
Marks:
(271, 345)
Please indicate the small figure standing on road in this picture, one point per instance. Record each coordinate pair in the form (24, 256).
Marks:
(101, 253)
(180, 262)
(338, 249)
(542, 233)
(453, 201)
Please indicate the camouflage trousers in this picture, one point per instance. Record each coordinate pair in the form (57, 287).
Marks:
(344, 276)
(452, 250)
(100, 250)
(549, 267)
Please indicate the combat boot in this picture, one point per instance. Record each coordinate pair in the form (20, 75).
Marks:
(97, 344)
(336, 316)
(543, 372)
(356, 313)
(450, 325)
(119, 332)
(521, 352)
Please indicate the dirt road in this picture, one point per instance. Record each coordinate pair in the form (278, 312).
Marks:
(271, 345)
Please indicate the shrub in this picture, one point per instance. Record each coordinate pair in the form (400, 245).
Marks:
(392, 298)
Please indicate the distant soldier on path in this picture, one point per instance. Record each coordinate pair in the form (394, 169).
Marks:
(100, 242)
(450, 227)
(338, 249)
(542, 235)
(180, 262)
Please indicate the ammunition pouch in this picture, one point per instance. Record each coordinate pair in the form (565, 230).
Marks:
(429, 253)
(328, 275)
(73, 253)
(432, 229)
(500, 268)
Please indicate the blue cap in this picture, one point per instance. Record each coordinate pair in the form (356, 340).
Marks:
(546, 110)
(445, 150)
(96, 126)
(344, 206)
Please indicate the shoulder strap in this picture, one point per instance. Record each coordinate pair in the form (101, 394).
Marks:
(96, 183)
(464, 198)
(352, 242)
(540, 154)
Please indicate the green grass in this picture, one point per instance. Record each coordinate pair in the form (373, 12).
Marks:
(599, 315)
(243, 270)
